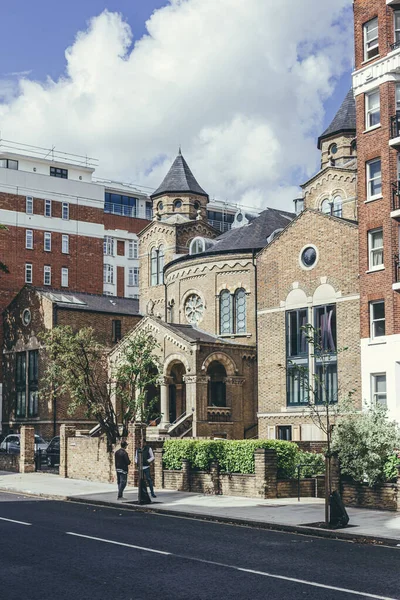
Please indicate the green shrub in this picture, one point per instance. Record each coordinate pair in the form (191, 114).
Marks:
(314, 464)
(390, 467)
(234, 456)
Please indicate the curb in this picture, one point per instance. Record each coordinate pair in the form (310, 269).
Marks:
(300, 529)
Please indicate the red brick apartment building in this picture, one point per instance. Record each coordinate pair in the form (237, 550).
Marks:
(376, 84)
(66, 230)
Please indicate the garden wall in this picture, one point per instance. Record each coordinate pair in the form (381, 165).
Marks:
(9, 462)
(381, 497)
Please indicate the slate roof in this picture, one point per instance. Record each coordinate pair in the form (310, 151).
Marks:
(91, 302)
(253, 236)
(179, 179)
(344, 120)
(192, 334)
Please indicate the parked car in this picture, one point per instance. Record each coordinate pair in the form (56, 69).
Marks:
(11, 444)
(53, 452)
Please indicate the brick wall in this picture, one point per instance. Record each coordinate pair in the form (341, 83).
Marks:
(365, 10)
(382, 497)
(88, 459)
(9, 462)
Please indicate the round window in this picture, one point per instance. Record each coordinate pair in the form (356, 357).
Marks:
(178, 203)
(194, 309)
(309, 257)
(196, 205)
(239, 217)
(160, 206)
(333, 149)
(26, 316)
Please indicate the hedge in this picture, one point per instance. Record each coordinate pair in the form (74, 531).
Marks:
(236, 456)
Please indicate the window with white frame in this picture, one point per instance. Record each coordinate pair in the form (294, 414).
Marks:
(29, 205)
(108, 246)
(372, 109)
(47, 241)
(374, 179)
(397, 26)
(157, 266)
(108, 271)
(29, 239)
(64, 277)
(65, 211)
(378, 385)
(133, 276)
(377, 319)
(47, 275)
(47, 208)
(65, 244)
(133, 249)
(28, 273)
(197, 245)
(375, 248)
(371, 42)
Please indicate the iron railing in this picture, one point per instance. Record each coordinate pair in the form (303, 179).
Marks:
(395, 46)
(395, 125)
(396, 268)
(396, 195)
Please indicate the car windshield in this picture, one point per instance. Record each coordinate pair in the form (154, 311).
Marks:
(39, 440)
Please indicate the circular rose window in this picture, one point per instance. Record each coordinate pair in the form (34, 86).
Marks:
(194, 309)
(309, 257)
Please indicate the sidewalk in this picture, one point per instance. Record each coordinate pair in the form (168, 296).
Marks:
(284, 514)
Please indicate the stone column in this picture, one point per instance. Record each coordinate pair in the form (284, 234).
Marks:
(266, 468)
(66, 431)
(185, 487)
(214, 472)
(27, 450)
(164, 401)
(158, 469)
(135, 433)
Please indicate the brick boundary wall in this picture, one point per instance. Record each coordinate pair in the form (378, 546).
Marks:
(9, 462)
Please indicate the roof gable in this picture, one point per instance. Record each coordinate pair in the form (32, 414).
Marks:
(179, 179)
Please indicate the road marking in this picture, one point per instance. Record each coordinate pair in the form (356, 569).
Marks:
(88, 537)
(241, 569)
(12, 521)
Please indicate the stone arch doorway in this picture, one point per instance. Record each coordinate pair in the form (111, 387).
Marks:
(176, 391)
(216, 373)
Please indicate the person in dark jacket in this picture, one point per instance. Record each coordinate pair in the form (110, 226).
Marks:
(148, 457)
(122, 463)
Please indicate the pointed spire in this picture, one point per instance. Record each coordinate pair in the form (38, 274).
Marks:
(179, 179)
(344, 121)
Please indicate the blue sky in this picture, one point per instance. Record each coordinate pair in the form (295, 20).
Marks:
(247, 111)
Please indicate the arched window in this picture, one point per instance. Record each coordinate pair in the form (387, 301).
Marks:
(157, 266)
(161, 265)
(337, 206)
(216, 386)
(240, 311)
(326, 207)
(197, 245)
(232, 312)
(153, 267)
(225, 312)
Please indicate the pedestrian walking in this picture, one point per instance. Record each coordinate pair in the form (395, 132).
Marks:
(147, 457)
(122, 463)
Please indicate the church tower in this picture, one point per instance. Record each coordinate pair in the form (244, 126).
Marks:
(180, 215)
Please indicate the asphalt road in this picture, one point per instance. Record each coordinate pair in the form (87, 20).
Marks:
(60, 550)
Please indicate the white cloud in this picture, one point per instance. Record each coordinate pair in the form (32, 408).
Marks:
(239, 83)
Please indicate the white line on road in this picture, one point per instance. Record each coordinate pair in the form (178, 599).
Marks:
(12, 521)
(88, 537)
(251, 571)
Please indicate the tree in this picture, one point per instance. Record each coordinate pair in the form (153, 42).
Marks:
(322, 399)
(136, 369)
(78, 367)
(366, 443)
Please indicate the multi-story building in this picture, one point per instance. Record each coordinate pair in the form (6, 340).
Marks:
(376, 83)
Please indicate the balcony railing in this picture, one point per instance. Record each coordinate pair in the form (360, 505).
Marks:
(396, 268)
(396, 195)
(218, 414)
(395, 126)
(220, 225)
(395, 46)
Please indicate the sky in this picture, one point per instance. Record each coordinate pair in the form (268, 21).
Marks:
(244, 86)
